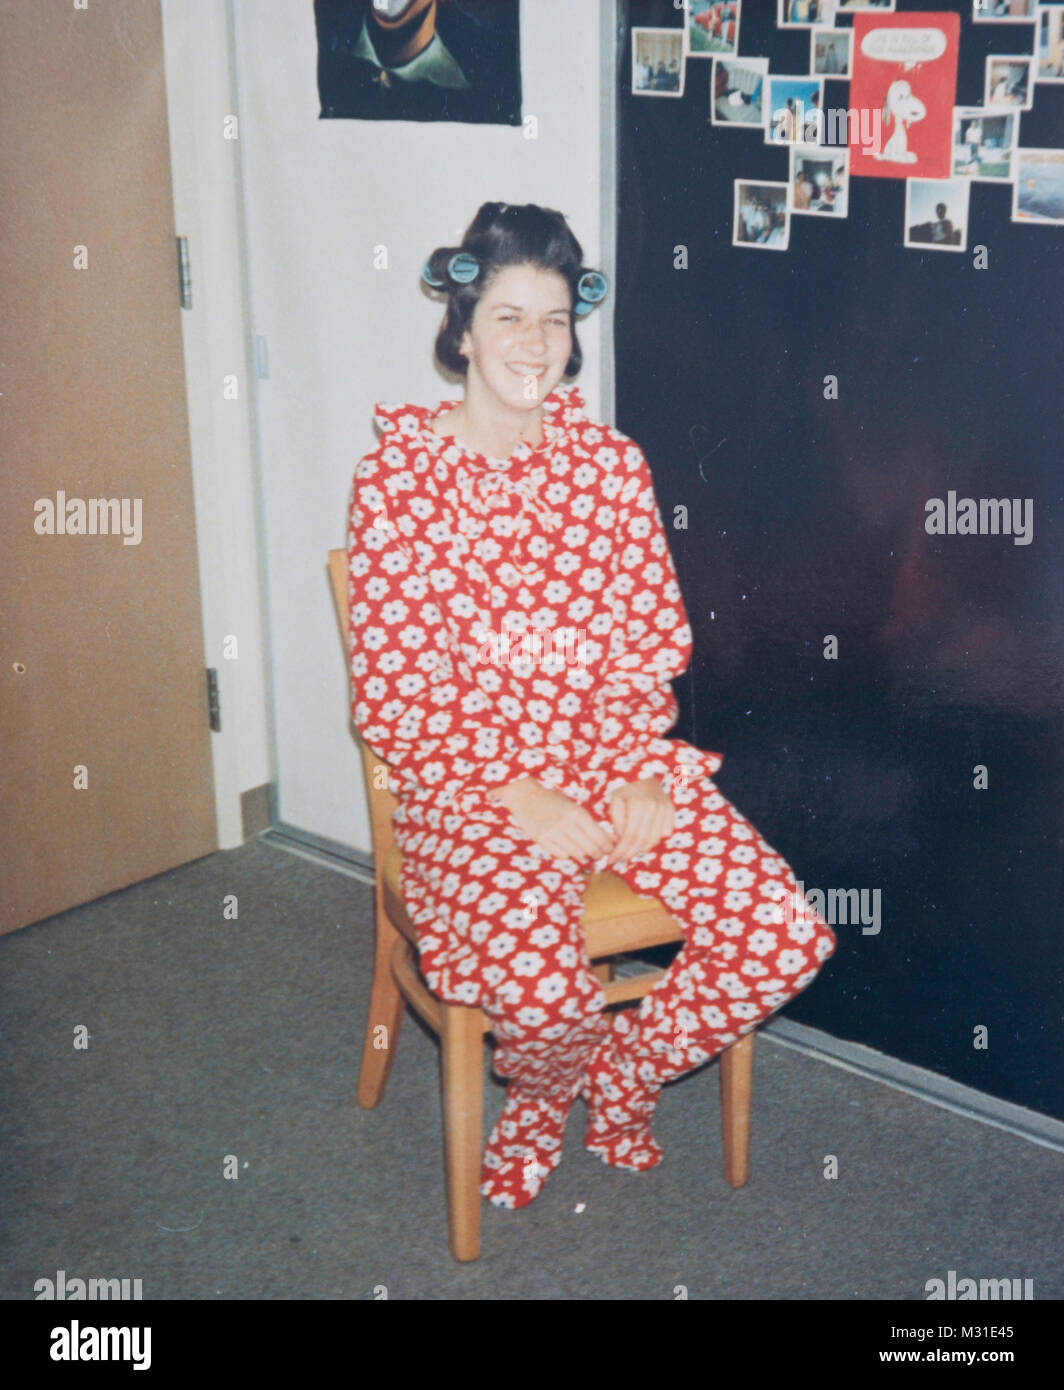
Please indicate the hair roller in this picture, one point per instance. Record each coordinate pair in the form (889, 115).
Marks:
(429, 278)
(462, 267)
(591, 288)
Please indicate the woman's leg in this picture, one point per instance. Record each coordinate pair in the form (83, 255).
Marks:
(751, 944)
(499, 924)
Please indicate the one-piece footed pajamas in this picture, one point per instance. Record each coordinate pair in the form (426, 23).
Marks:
(522, 618)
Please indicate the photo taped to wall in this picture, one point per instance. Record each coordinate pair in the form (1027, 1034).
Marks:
(1038, 189)
(712, 27)
(829, 52)
(737, 92)
(1003, 11)
(761, 218)
(983, 143)
(936, 214)
(658, 62)
(820, 182)
(795, 111)
(1008, 82)
(1049, 44)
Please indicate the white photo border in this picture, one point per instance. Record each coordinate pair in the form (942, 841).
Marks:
(847, 34)
(845, 7)
(792, 77)
(783, 23)
(1038, 13)
(830, 151)
(658, 29)
(760, 183)
(1029, 219)
(978, 18)
(964, 186)
(1027, 58)
(758, 65)
(691, 53)
(962, 114)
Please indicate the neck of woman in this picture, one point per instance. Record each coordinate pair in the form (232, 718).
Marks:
(493, 437)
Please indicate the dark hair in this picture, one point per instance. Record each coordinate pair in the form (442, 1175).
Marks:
(502, 235)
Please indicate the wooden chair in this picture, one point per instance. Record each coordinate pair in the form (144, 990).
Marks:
(616, 920)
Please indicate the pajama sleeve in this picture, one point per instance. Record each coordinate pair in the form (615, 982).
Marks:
(634, 704)
(411, 701)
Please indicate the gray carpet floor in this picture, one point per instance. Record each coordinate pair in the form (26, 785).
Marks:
(213, 1040)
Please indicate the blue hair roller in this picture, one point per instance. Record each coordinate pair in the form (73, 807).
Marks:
(592, 287)
(463, 267)
(429, 278)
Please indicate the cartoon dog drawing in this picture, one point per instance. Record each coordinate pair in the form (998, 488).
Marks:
(903, 109)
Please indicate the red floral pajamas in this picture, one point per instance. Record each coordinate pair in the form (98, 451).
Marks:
(450, 555)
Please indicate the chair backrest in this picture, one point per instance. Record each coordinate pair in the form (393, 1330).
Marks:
(382, 802)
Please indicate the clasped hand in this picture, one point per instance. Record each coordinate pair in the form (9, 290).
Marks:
(641, 812)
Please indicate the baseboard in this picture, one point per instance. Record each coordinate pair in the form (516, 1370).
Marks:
(320, 850)
(255, 811)
(926, 1085)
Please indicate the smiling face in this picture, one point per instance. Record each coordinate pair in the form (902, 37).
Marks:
(520, 338)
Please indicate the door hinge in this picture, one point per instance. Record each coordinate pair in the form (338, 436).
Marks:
(184, 273)
(214, 704)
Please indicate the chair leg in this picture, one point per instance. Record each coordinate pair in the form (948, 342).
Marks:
(386, 1007)
(736, 1087)
(461, 1068)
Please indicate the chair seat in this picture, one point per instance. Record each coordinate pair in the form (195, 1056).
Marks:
(607, 894)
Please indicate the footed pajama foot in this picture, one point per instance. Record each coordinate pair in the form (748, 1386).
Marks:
(619, 1110)
(524, 1148)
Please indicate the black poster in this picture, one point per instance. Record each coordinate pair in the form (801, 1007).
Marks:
(419, 60)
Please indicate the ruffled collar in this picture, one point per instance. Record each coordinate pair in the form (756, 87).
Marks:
(562, 408)
(493, 489)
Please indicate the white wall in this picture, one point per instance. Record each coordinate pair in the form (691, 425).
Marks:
(319, 197)
(201, 94)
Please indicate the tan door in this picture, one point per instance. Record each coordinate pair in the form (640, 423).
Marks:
(104, 731)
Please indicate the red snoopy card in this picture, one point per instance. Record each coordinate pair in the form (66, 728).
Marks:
(902, 94)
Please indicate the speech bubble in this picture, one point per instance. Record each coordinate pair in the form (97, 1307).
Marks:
(908, 46)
